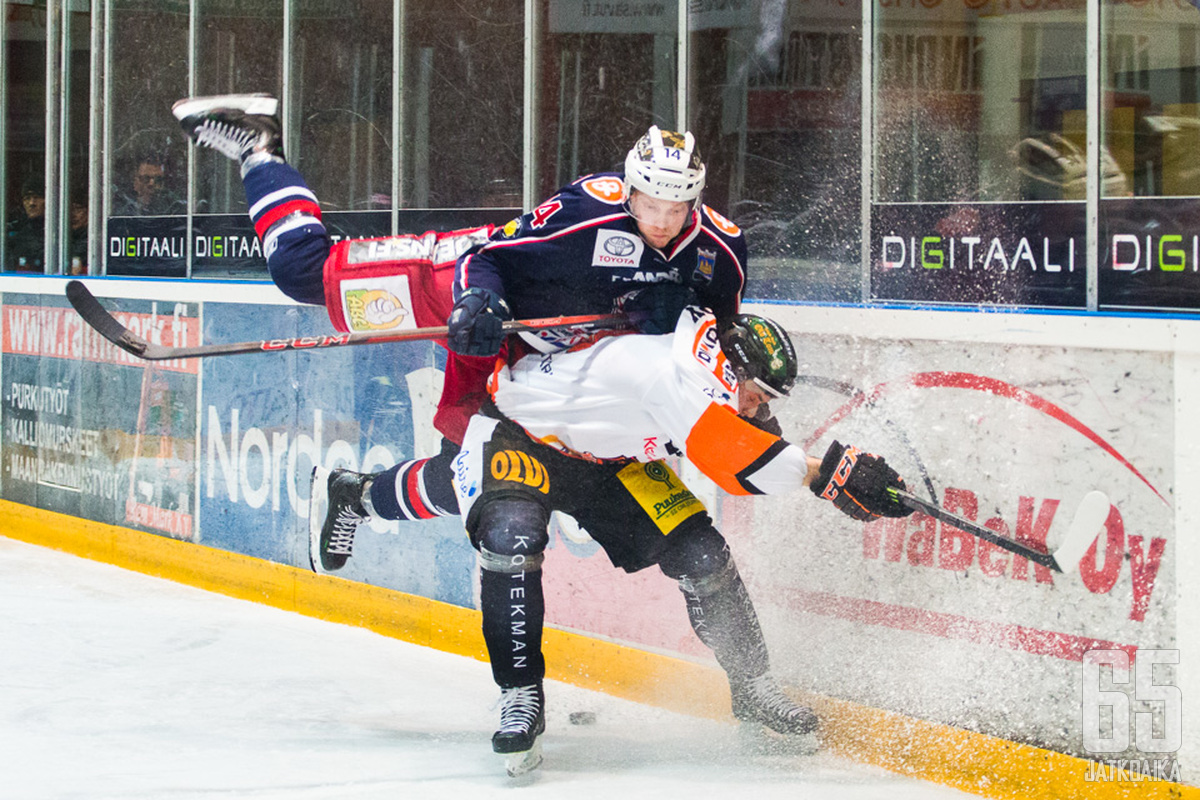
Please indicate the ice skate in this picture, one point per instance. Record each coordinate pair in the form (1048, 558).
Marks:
(335, 511)
(522, 722)
(235, 125)
(760, 700)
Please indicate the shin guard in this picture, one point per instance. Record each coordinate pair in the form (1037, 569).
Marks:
(723, 617)
(511, 537)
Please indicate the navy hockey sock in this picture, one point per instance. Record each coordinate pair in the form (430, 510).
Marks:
(287, 218)
(414, 490)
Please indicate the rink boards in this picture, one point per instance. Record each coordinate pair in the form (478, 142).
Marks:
(929, 651)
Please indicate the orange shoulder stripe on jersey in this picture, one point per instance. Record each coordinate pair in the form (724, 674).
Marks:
(718, 367)
(493, 379)
(722, 445)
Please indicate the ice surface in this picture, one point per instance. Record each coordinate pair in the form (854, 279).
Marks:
(114, 684)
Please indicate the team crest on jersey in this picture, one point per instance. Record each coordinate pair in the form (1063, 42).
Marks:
(377, 304)
(617, 249)
(511, 229)
(706, 262)
(608, 190)
(723, 225)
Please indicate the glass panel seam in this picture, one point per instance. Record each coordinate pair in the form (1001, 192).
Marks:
(1095, 171)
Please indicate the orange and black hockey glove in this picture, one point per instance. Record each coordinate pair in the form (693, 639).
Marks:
(858, 483)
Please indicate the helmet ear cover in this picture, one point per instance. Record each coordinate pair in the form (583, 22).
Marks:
(665, 165)
(759, 350)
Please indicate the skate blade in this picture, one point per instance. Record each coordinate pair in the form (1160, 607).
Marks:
(759, 739)
(521, 763)
(261, 104)
(318, 505)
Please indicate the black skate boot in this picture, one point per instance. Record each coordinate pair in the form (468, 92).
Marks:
(761, 700)
(522, 722)
(335, 511)
(239, 126)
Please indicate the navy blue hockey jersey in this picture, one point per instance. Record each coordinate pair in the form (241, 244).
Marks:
(579, 251)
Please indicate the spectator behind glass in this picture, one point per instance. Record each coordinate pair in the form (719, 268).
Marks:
(78, 234)
(25, 231)
(147, 193)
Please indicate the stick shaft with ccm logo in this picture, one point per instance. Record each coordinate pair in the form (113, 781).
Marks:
(104, 323)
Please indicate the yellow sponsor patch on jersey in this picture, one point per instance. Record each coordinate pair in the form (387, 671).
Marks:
(373, 310)
(518, 467)
(660, 493)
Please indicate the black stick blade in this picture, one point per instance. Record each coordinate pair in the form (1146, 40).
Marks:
(104, 323)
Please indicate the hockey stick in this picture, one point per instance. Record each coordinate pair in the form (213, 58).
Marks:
(1084, 527)
(95, 315)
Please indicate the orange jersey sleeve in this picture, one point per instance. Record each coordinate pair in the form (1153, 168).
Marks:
(727, 449)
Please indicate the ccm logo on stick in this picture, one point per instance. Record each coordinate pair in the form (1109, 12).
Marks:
(304, 342)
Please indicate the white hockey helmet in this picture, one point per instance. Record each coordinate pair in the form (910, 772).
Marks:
(666, 165)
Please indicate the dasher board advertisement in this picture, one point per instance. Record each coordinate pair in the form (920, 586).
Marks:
(1004, 254)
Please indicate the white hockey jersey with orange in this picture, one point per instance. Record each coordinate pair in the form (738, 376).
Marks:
(645, 398)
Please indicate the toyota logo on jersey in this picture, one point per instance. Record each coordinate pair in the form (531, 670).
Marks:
(619, 246)
(616, 249)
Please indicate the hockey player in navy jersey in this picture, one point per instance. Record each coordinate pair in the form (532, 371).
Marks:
(600, 238)
(641, 242)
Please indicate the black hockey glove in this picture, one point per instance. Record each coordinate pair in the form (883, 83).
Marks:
(475, 323)
(857, 483)
(655, 309)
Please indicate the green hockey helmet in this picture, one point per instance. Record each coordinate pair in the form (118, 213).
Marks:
(760, 352)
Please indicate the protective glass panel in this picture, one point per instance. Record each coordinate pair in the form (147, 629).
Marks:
(978, 102)
(462, 68)
(238, 51)
(1150, 75)
(343, 67)
(77, 88)
(149, 52)
(605, 76)
(25, 137)
(775, 98)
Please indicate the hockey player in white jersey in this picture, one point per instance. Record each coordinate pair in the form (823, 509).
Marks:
(584, 432)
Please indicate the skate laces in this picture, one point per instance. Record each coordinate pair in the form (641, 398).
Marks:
(341, 538)
(519, 708)
(227, 138)
(765, 693)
